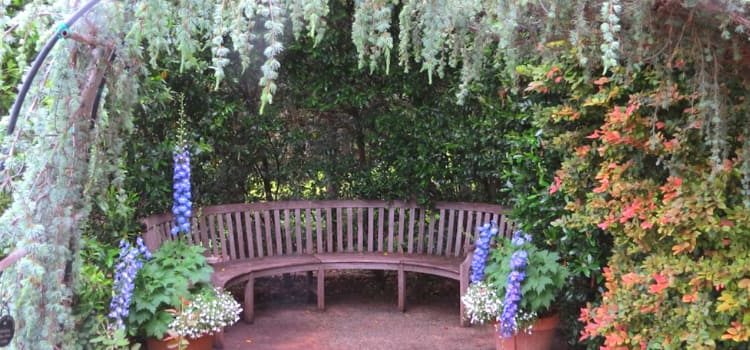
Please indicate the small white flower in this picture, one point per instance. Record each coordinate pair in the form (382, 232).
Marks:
(206, 313)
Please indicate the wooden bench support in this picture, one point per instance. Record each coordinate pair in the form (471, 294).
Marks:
(321, 289)
(250, 300)
(463, 282)
(401, 289)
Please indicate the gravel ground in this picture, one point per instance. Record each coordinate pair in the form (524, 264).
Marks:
(361, 313)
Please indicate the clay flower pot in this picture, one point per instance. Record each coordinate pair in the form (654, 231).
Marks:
(541, 337)
(204, 342)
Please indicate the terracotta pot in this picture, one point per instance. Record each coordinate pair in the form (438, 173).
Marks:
(205, 342)
(541, 337)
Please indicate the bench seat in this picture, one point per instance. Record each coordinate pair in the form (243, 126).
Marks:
(237, 271)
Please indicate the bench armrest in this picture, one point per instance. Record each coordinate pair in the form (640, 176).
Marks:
(466, 264)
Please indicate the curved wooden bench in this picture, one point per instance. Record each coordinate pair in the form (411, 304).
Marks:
(270, 238)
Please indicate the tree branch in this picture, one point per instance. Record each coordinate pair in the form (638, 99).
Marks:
(12, 258)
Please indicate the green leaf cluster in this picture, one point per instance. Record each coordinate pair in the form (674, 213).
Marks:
(175, 272)
(545, 275)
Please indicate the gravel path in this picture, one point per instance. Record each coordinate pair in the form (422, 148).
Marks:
(361, 313)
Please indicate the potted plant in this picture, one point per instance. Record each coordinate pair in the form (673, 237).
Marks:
(514, 285)
(172, 300)
(196, 320)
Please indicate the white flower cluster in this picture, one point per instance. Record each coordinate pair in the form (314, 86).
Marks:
(482, 303)
(206, 313)
(524, 322)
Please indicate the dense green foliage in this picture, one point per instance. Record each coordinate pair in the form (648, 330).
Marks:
(544, 275)
(163, 283)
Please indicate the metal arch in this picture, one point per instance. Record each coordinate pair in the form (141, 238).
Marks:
(16, 109)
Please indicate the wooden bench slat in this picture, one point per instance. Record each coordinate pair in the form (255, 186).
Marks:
(349, 229)
(249, 235)
(269, 233)
(220, 237)
(288, 245)
(299, 248)
(458, 250)
(391, 228)
(478, 222)
(450, 233)
(308, 232)
(360, 229)
(277, 232)
(441, 230)
(229, 237)
(381, 219)
(370, 229)
(329, 230)
(401, 221)
(339, 231)
(410, 232)
(431, 233)
(213, 237)
(421, 236)
(202, 234)
(319, 248)
(258, 234)
(240, 239)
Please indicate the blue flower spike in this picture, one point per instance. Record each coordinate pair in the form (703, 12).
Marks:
(482, 249)
(129, 262)
(518, 262)
(182, 207)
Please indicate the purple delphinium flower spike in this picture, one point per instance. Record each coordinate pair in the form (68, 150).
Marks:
(182, 206)
(129, 262)
(518, 262)
(482, 250)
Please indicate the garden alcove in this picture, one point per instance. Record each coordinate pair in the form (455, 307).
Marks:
(640, 105)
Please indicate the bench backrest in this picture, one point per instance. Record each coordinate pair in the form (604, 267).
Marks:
(246, 231)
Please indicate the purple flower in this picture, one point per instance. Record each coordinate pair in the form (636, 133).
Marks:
(129, 262)
(481, 251)
(182, 207)
(518, 262)
(519, 238)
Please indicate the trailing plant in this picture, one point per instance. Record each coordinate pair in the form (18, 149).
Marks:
(482, 302)
(206, 312)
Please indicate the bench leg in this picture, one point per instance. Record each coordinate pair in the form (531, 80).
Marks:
(321, 289)
(401, 289)
(463, 282)
(309, 286)
(250, 300)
